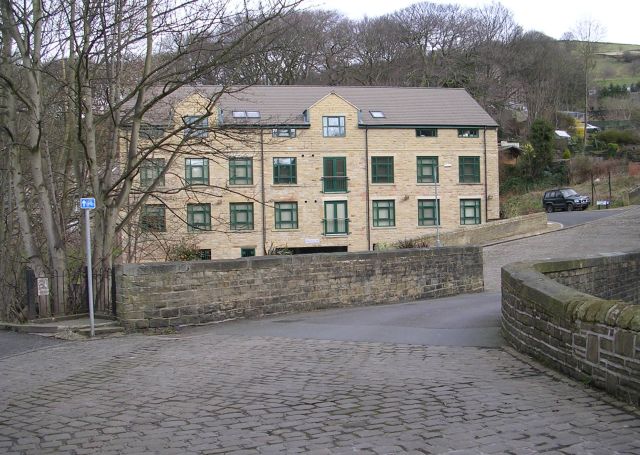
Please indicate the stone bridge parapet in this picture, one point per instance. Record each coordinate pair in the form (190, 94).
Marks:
(580, 316)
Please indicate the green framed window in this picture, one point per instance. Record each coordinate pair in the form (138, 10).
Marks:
(470, 211)
(247, 252)
(150, 170)
(196, 126)
(153, 218)
(336, 217)
(384, 213)
(469, 168)
(283, 132)
(286, 215)
(196, 171)
(426, 132)
(241, 216)
(428, 212)
(382, 169)
(204, 255)
(333, 126)
(240, 171)
(468, 132)
(334, 178)
(198, 217)
(427, 167)
(284, 171)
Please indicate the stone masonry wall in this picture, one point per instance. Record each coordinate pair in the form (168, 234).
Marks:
(176, 293)
(585, 336)
(493, 230)
(613, 278)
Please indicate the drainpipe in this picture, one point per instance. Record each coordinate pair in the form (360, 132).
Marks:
(264, 228)
(486, 185)
(366, 171)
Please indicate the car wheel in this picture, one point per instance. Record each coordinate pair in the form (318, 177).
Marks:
(549, 208)
(569, 207)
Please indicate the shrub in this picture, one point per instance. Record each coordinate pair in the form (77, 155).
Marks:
(618, 137)
(566, 154)
(185, 250)
(412, 243)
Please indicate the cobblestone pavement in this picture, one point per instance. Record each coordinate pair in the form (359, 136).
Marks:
(207, 392)
(210, 393)
(616, 233)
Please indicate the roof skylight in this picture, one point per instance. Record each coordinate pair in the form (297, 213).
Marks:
(245, 114)
(377, 114)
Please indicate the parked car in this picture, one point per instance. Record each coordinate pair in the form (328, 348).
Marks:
(564, 199)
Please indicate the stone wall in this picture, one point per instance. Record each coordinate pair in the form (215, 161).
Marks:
(493, 230)
(176, 293)
(586, 336)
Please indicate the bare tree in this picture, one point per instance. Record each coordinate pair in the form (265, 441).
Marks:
(587, 33)
(77, 80)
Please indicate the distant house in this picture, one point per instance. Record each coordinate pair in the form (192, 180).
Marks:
(562, 139)
(509, 153)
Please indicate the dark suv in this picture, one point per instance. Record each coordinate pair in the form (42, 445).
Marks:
(564, 199)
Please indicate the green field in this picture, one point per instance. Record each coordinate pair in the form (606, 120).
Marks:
(611, 69)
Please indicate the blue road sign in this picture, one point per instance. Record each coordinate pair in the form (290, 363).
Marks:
(87, 203)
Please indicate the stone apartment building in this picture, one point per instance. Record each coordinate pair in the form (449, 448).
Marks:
(313, 169)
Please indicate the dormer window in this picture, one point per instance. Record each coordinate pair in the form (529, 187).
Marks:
(197, 126)
(283, 132)
(377, 114)
(245, 114)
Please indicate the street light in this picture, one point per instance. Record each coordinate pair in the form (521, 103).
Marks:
(436, 181)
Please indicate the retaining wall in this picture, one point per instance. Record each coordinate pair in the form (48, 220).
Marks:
(580, 316)
(177, 293)
(493, 231)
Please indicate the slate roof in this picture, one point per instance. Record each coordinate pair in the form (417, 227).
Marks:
(285, 105)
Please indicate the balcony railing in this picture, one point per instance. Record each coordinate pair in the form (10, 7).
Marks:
(334, 184)
(336, 226)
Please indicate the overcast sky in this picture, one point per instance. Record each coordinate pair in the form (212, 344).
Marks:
(620, 18)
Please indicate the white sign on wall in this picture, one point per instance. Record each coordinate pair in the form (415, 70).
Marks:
(311, 241)
(43, 286)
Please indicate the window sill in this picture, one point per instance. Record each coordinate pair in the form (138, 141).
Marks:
(285, 230)
(431, 226)
(383, 228)
(242, 185)
(336, 235)
(468, 183)
(286, 185)
(383, 184)
(428, 183)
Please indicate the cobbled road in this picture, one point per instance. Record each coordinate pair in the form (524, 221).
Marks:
(202, 391)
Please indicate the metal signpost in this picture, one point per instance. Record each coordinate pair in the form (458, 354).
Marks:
(436, 182)
(86, 204)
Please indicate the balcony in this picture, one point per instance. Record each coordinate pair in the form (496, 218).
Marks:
(336, 226)
(334, 184)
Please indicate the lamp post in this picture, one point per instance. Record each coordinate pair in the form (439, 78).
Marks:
(436, 181)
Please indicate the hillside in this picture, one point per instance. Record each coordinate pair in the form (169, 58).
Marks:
(617, 64)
